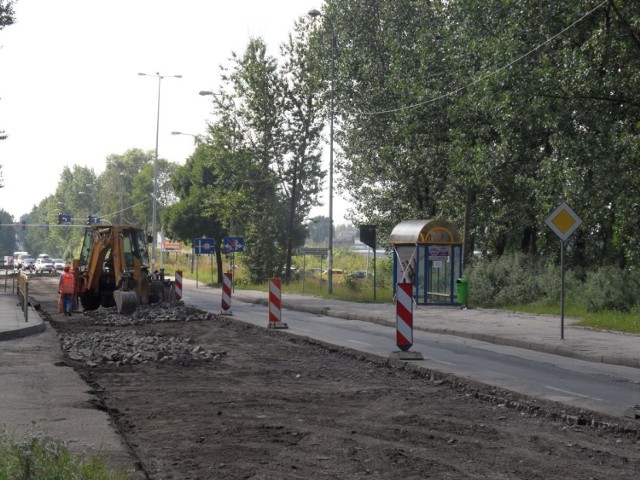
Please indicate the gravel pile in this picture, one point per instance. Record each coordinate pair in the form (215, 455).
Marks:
(148, 314)
(128, 347)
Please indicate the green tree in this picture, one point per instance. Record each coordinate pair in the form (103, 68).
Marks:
(195, 214)
(300, 169)
(142, 192)
(464, 110)
(76, 196)
(117, 187)
(6, 18)
(7, 234)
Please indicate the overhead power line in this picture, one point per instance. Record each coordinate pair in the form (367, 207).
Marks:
(486, 76)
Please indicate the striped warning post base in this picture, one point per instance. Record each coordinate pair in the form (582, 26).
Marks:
(227, 282)
(275, 310)
(178, 284)
(404, 322)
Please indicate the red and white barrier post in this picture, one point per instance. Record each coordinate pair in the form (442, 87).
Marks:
(404, 322)
(227, 283)
(275, 310)
(178, 284)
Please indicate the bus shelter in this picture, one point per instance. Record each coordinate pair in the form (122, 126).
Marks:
(428, 254)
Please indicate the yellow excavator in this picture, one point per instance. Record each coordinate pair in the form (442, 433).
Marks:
(113, 269)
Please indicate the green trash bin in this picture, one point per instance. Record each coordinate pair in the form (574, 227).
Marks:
(462, 285)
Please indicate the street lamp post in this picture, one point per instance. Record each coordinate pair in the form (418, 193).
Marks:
(316, 13)
(154, 231)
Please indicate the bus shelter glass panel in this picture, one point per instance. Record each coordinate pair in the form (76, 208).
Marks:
(442, 266)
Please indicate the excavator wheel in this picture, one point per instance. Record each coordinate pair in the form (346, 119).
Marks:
(126, 302)
(90, 302)
(156, 292)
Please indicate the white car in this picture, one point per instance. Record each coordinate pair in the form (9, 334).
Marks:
(59, 263)
(44, 265)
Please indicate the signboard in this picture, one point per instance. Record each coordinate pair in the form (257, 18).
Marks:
(64, 218)
(312, 251)
(563, 221)
(96, 220)
(171, 246)
(368, 235)
(233, 244)
(204, 246)
(437, 252)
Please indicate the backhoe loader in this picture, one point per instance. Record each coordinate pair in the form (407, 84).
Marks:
(113, 269)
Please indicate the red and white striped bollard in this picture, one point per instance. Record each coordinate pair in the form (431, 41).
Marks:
(178, 284)
(404, 322)
(275, 303)
(227, 282)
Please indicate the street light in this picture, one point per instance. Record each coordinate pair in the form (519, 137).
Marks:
(197, 137)
(316, 13)
(221, 106)
(154, 232)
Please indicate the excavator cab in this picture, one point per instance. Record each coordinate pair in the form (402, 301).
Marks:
(114, 269)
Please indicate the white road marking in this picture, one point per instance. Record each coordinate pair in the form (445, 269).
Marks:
(361, 343)
(443, 362)
(573, 393)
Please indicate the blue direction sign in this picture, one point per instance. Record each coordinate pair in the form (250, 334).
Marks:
(233, 244)
(204, 246)
(64, 218)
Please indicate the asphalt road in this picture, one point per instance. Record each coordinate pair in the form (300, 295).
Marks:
(598, 387)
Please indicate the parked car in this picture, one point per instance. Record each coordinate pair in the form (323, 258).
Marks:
(43, 264)
(59, 263)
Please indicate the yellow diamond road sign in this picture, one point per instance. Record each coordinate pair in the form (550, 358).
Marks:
(563, 221)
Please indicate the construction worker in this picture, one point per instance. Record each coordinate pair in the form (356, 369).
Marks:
(66, 288)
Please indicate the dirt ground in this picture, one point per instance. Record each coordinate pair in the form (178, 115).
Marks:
(250, 403)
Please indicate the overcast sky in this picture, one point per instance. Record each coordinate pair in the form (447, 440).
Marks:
(70, 93)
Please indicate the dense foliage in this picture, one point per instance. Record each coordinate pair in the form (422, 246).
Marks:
(506, 108)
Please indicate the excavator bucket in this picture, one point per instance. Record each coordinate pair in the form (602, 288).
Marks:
(126, 302)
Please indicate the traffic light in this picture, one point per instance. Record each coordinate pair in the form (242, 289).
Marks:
(89, 219)
(59, 219)
(24, 225)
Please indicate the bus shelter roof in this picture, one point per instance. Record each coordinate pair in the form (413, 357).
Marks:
(422, 232)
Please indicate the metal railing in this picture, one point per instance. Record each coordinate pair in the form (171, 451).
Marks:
(23, 295)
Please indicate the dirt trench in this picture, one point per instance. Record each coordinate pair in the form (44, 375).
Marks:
(221, 399)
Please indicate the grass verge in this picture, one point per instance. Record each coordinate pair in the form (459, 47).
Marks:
(40, 458)
(610, 320)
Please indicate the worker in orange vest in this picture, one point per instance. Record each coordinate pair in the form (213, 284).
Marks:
(76, 292)
(67, 287)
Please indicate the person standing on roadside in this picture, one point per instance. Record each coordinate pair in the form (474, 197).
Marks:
(67, 288)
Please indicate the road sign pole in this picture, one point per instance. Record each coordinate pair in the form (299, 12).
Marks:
(562, 289)
(563, 221)
(304, 271)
